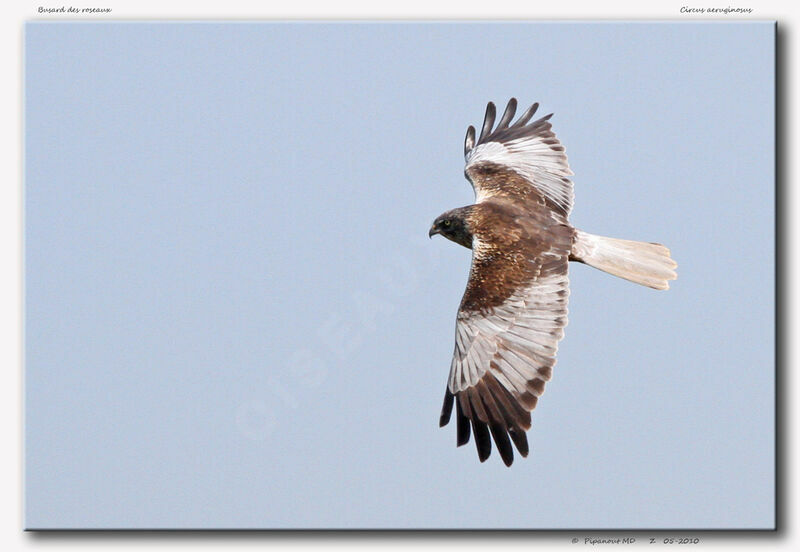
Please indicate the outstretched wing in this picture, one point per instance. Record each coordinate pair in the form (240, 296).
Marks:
(509, 159)
(507, 332)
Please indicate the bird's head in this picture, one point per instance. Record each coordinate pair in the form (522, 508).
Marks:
(454, 226)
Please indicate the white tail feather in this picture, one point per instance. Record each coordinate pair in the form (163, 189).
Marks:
(648, 264)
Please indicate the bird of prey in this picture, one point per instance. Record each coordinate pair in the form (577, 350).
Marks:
(514, 309)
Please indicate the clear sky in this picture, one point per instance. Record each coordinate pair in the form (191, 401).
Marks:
(234, 316)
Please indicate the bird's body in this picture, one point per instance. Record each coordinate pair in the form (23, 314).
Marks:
(514, 245)
(514, 309)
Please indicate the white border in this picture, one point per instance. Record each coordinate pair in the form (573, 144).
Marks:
(16, 13)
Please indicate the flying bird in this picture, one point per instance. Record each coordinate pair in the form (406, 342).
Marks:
(514, 309)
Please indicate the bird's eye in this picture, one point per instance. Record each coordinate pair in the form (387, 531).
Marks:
(446, 222)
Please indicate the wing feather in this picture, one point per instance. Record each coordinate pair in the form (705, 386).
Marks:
(527, 116)
(462, 426)
(488, 121)
(530, 151)
(469, 141)
(508, 114)
(498, 373)
(447, 409)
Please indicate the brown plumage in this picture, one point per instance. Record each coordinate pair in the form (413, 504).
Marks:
(520, 240)
(514, 309)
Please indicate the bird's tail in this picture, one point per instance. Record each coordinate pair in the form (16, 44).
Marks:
(648, 264)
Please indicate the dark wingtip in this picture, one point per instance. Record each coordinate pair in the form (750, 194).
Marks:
(520, 441)
(500, 435)
(507, 456)
(483, 442)
(447, 409)
(462, 426)
(525, 117)
(469, 141)
(508, 114)
(488, 120)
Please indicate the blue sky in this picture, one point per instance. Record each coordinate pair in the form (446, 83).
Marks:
(234, 316)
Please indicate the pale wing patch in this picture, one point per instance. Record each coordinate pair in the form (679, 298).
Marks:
(530, 149)
(534, 161)
(520, 338)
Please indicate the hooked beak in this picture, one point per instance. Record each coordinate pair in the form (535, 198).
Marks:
(433, 231)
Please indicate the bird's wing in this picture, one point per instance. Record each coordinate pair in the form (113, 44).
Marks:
(507, 332)
(509, 159)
